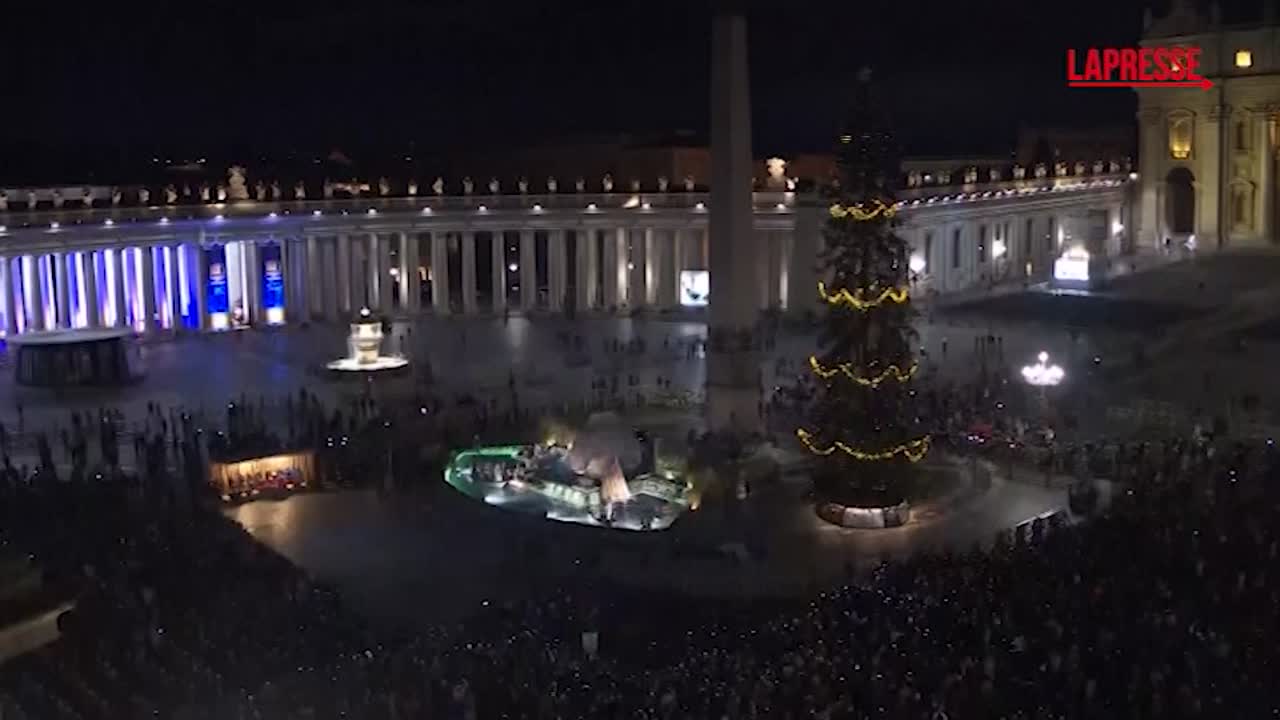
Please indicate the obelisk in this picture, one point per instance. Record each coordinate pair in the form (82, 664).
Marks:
(733, 393)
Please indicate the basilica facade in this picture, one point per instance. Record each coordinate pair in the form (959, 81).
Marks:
(1208, 156)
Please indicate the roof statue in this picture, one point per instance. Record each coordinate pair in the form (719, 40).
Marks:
(236, 182)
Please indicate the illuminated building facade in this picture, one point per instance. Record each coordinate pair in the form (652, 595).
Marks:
(118, 262)
(1208, 157)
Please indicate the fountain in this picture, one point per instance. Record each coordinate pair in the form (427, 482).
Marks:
(365, 347)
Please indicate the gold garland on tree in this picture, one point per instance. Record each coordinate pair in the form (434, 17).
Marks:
(873, 210)
(858, 299)
(912, 450)
(851, 372)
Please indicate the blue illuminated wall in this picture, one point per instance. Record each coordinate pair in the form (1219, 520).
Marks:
(216, 292)
(272, 280)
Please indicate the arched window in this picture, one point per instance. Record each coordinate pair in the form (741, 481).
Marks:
(1181, 131)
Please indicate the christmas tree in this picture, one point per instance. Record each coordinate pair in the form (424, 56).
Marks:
(862, 422)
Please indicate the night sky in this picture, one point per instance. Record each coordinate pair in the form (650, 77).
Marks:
(108, 84)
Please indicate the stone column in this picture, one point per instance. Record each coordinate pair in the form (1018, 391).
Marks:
(679, 250)
(637, 268)
(358, 274)
(557, 272)
(89, 271)
(33, 292)
(12, 304)
(313, 286)
(732, 389)
(148, 289)
(370, 277)
(363, 267)
(787, 257)
(342, 275)
(299, 265)
(62, 280)
(1212, 146)
(290, 260)
(377, 279)
(528, 271)
(585, 260)
(201, 289)
(174, 284)
(440, 273)
(382, 245)
(1265, 203)
(469, 272)
(664, 276)
(333, 281)
(251, 256)
(411, 280)
(17, 269)
(117, 287)
(622, 260)
(653, 265)
(1153, 152)
(609, 262)
(498, 261)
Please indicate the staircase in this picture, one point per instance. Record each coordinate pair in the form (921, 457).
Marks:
(1244, 311)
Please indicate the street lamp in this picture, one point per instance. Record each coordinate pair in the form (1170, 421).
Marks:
(1042, 375)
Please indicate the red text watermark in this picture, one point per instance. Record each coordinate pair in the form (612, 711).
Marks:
(1135, 68)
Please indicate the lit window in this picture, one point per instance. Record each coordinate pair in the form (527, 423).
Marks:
(1180, 131)
(1244, 58)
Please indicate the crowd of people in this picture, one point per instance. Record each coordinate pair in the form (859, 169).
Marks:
(180, 613)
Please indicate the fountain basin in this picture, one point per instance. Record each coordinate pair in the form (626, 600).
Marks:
(381, 363)
(365, 348)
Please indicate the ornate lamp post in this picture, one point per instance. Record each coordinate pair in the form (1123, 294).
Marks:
(1042, 375)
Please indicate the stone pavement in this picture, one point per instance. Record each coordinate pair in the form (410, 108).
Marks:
(478, 355)
(434, 555)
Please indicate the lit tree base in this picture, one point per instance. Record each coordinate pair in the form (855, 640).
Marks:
(866, 494)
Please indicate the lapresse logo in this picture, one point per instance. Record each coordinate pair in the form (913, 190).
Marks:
(1174, 67)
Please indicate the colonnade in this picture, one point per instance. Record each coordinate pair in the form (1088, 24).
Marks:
(245, 265)
(220, 283)
(467, 271)
(145, 288)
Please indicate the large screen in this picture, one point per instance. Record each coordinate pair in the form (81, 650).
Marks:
(1072, 266)
(695, 288)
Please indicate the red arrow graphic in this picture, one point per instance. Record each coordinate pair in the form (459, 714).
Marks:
(1202, 83)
